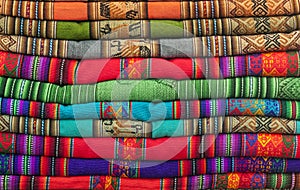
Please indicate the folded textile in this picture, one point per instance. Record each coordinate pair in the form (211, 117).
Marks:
(176, 148)
(166, 48)
(147, 10)
(151, 90)
(232, 124)
(151, 111)
(78, 128)
(207, 181)
(38, 165)
(156, 129)
(116, 29)
(67, 71)
(101, 1)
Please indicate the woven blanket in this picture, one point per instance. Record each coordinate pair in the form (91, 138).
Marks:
(176, 148)
(79, 128)
(66, 71)
(147, 10)
(36, 165)
(169, 48)
(215, 125)
(151, 111)
(207, 181)
(151, 90)
(156, 129)
(113, 29)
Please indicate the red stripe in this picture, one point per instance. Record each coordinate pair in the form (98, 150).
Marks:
(294, 110)
(296, 147)
(53, 69)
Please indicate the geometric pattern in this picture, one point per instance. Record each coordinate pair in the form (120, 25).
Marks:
(262, 125)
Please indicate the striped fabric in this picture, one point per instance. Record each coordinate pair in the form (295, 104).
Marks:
(165, 48)
(150, 90)
(43, 166)
(146, 95)
(176, 148)
(207, 181)
(147, 10)
(67, 71)
(156, 129)
(151, 111)
(116, 29)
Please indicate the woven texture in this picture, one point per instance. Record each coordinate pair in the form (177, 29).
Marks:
(217, 181)
(21, 165)
(168, 48)
(115, 29)
(149, 94)
(150, 90)
(147, 10)
(177, 148)
(67, 71)
(156, 129)
(150, 111)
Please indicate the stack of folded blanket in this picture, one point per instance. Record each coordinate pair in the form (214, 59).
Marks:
(136, 94)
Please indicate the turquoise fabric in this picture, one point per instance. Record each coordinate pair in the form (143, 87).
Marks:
(167, 128)
(76, 128)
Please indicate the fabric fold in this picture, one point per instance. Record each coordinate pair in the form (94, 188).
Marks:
(149, 94)
(156, 129)
(118, 29)
(176, 148)
(207, 181)
(208, 46)
(151, 90)
(152, 111)
(43, 166)
(70, 71)
(147, 10)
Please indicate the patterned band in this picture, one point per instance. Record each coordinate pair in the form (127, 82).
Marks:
(157, 129)
(113, 29)
(147, 10)
(151, 90)
(216, 125)
(151, 111)
(207, 181)
(66, 71)
(169, 48)
(36, 165)
(176, 148)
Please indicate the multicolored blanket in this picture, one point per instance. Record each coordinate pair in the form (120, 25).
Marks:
(147, 10)
(151, 90)
(207, 181)
(176, 148)
(149, 94)
(116, 29)
(156, 129)
(165, 48)
(151, 111)
(52, 166)
(68, 71)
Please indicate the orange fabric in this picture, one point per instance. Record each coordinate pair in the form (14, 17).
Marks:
(70, 11)
(166, 10)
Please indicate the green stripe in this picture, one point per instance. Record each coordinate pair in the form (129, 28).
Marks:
(149, 90)
(35, 90)
(166, 28)
(237, 87)
(297, 109)
(8, 85)
(16, 91)
(3, 81)
(73, 30)
(34, 67)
